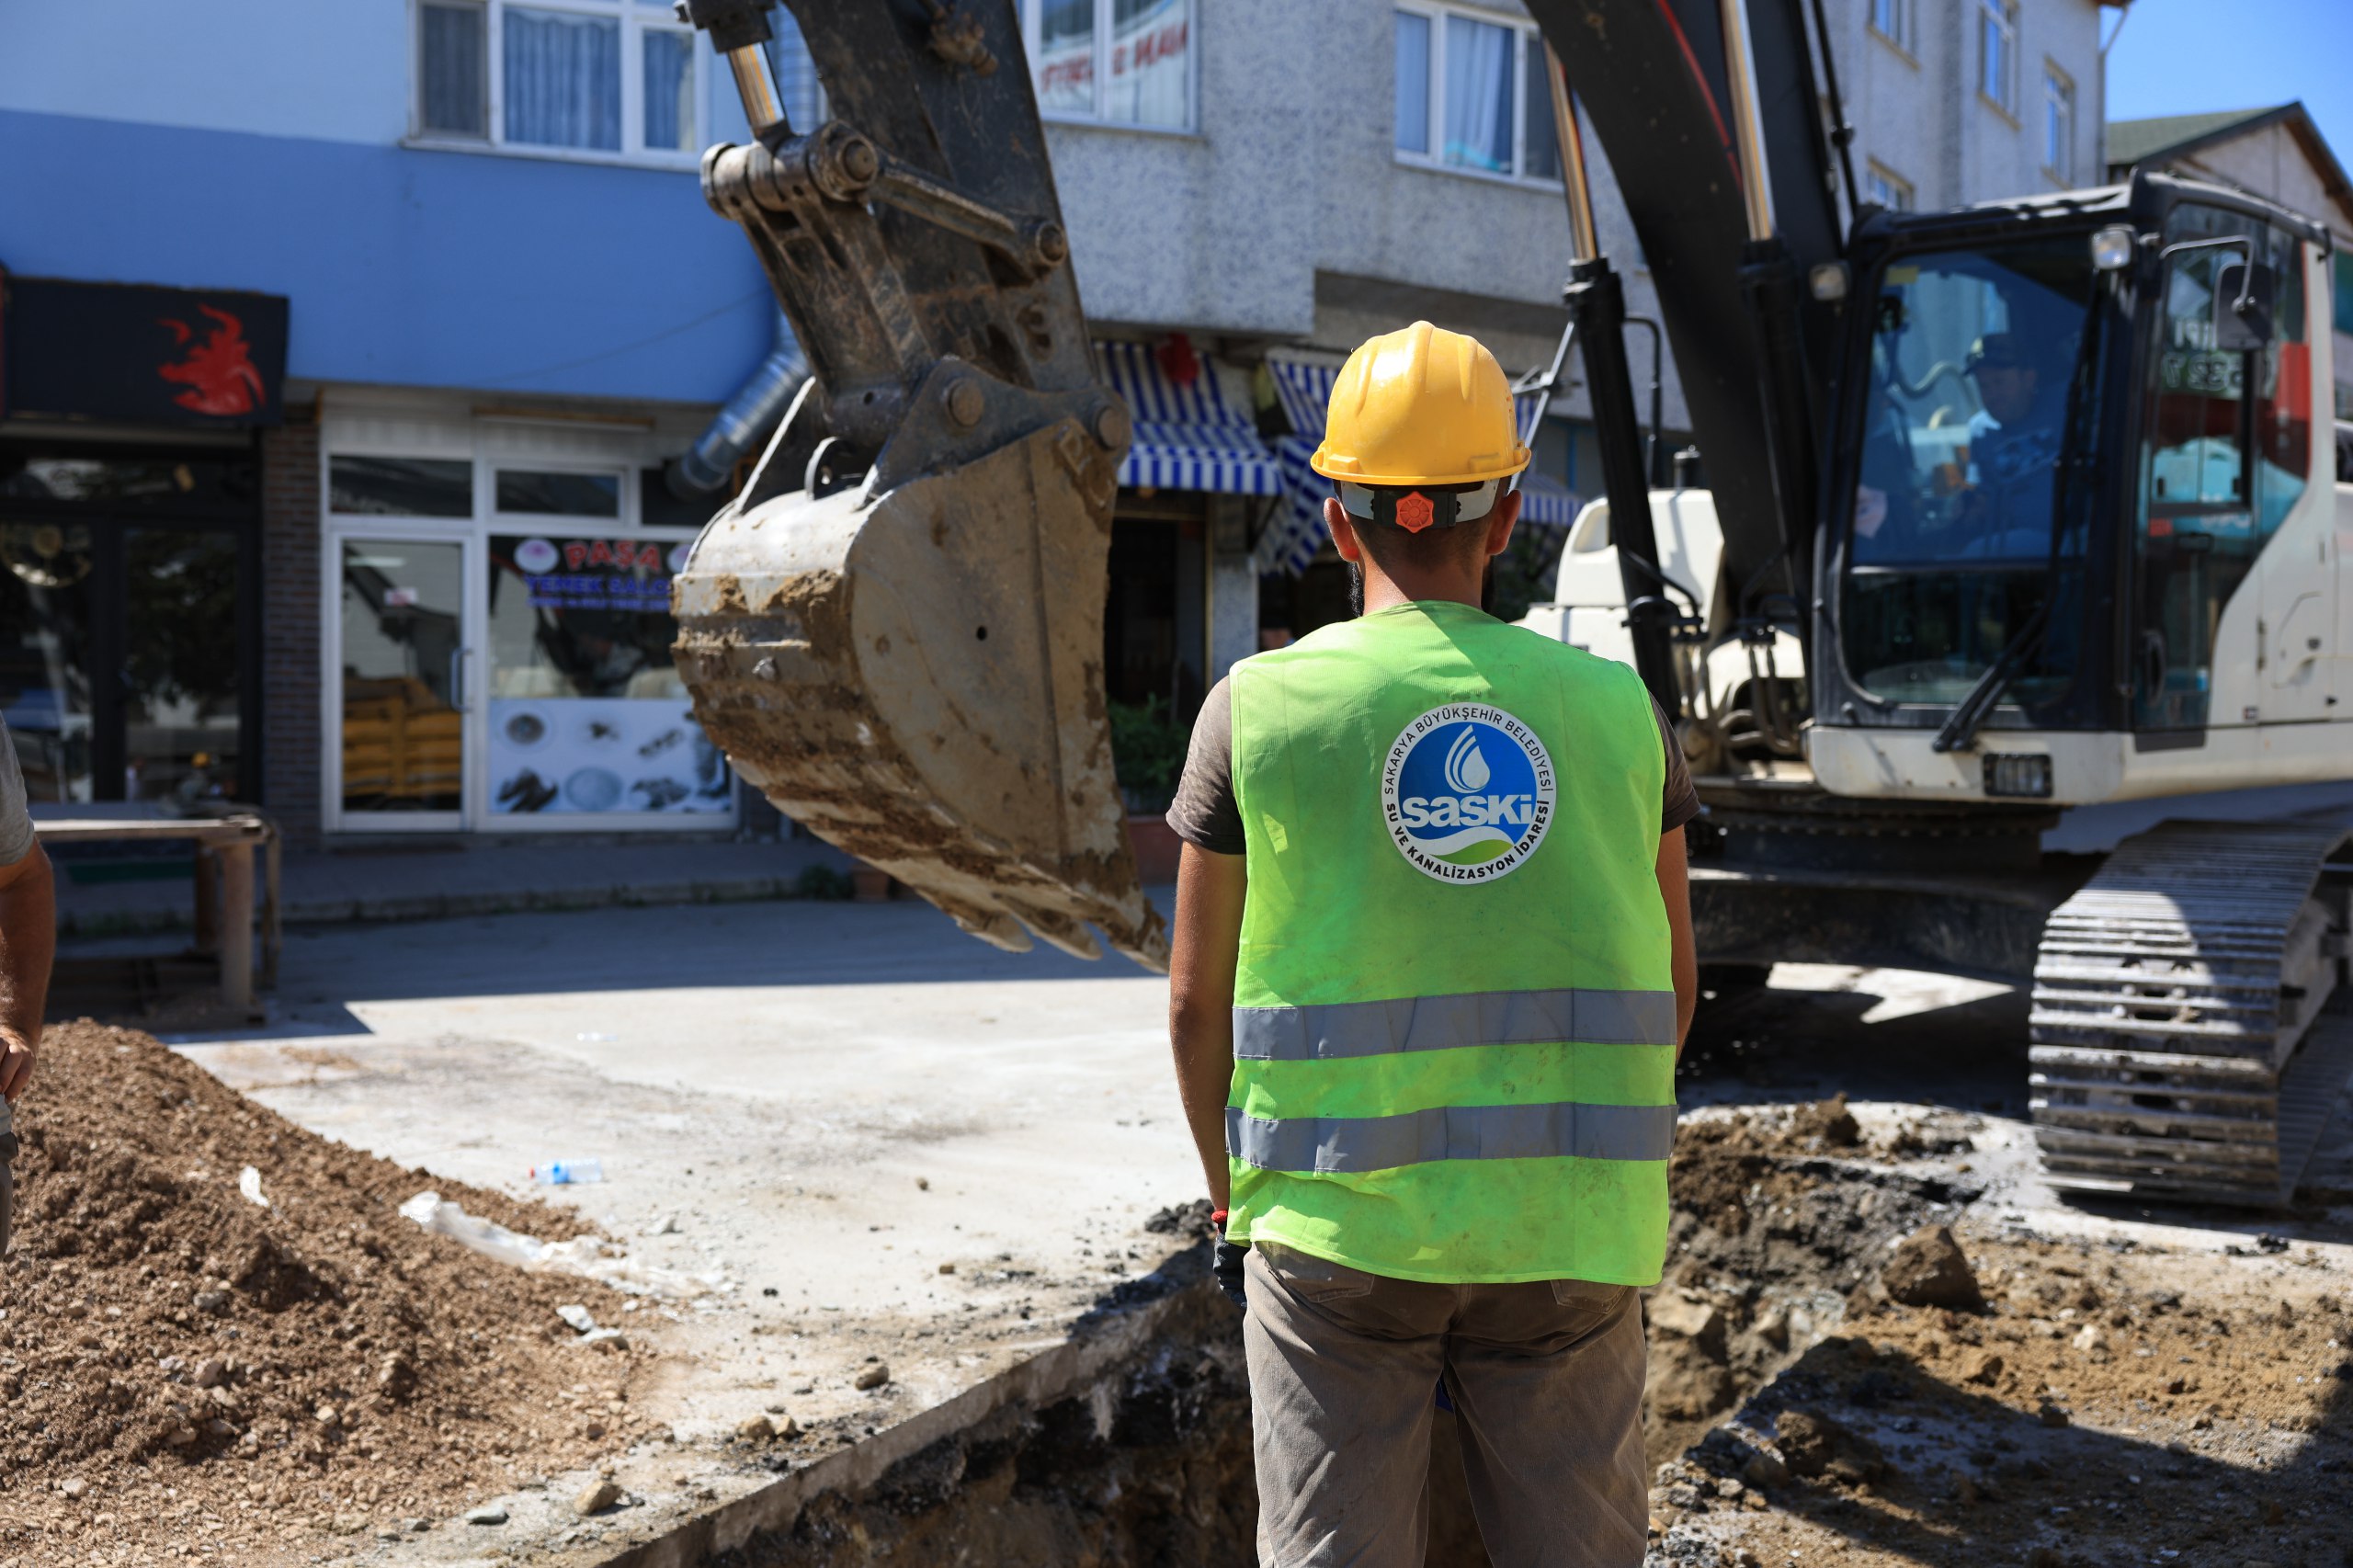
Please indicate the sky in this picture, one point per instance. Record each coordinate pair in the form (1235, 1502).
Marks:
(2190, 56)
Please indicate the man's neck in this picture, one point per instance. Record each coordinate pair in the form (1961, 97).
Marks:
(1382, 591)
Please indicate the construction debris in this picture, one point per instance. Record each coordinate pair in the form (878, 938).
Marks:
(1929, 1269)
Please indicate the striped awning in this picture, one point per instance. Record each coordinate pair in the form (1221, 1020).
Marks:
(1186, 437)
(1296, 532)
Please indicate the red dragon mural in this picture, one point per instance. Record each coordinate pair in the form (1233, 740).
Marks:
(219, 369)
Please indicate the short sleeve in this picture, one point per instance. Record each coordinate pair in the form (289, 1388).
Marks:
(15, 819)
(1205, 812)
(1681, 802)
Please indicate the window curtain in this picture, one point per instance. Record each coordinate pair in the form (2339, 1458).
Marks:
(1478, 95)
(563, 80)
(670, 90)
(1413, 83)
(453, 71)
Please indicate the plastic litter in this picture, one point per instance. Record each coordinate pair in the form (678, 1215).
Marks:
(563, 1173)
(583, 1255)
(249, 1186)
(578, 1318)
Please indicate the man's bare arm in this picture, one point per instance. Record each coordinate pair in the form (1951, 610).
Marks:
(1674, 888)
(1204, 952)
(28, 943)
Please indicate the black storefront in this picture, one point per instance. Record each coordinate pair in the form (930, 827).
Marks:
(130, 498)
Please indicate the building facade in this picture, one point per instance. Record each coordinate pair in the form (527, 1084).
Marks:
(392, 556)
(420, 583)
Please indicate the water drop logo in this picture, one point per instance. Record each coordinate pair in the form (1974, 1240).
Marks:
(1467, 792)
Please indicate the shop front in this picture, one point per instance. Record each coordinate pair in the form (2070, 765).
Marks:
(496, 656)
(130, 511)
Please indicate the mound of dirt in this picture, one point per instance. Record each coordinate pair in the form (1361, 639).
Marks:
(181, 1366)
(1770, 1237)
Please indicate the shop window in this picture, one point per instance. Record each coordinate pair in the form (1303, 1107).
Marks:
(402, 604)
(400, 487)
(555, 493)
(617, 77)
(1118, 62)
(587, 713)
(1472, 94)
(45, 660)
(125, 645)
(179, 673)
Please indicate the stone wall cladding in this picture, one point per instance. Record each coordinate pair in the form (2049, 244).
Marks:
(291, 509)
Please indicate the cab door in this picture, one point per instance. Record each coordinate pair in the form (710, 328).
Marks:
(2298, 625)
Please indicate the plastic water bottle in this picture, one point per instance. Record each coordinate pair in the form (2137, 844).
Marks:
(563, 1173)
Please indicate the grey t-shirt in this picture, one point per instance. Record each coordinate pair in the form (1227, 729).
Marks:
(1205, 813)
(15, 822)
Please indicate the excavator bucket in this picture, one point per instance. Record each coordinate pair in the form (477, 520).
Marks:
(896, 630)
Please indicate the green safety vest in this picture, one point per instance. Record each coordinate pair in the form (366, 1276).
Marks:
(1454, 1015)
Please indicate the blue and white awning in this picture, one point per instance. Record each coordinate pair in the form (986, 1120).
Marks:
(1186, 437)
(1296, 532)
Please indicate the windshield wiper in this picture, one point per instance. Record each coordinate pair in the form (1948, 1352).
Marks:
(1969, 712)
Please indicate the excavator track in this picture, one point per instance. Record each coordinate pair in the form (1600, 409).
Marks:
(2185, 1044)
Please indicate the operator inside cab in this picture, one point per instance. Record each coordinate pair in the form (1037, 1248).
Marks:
(2013, 448)
(1983, 492)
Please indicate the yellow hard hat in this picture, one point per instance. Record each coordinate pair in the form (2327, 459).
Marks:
(1420, 406)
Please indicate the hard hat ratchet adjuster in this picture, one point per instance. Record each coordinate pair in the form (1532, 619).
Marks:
(1420, 506)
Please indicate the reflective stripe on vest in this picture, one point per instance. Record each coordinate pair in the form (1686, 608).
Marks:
(1338, 1030)
(1355, 1144)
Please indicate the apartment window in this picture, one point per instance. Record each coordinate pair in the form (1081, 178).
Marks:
(2341, 286)
(1115, 62)
(2058, 125)
(1891, 20)
(616, 77)
(1997, 45)
(1471, 93)
(1884, 190)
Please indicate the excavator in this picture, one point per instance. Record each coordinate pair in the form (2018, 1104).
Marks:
(2011, 509)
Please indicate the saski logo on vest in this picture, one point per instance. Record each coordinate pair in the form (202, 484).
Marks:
(1467, 792)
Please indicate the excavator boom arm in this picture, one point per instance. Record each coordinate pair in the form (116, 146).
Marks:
(895, 631)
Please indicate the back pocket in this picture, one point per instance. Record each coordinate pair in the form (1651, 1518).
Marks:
(1315, 1279)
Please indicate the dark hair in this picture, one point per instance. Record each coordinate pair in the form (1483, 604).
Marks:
(1438, 545)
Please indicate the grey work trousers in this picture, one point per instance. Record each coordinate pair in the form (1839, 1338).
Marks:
(1546, 1379)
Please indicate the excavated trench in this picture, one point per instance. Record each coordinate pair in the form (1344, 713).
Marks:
(1139, 1453)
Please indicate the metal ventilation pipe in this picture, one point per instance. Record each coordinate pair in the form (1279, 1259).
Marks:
(744, 422)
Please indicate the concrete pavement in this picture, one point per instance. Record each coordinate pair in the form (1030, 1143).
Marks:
(827, 1103)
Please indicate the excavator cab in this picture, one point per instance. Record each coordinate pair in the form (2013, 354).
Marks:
(2073, 472)
(895, 631)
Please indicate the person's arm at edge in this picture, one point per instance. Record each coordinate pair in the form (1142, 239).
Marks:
(28, 945)
(1675, 888)
(1204, 950)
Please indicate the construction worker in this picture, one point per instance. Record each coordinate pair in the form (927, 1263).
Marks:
(27, 938)
(1432, 967)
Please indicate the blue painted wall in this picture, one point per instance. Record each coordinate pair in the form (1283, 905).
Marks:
(406, 267)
